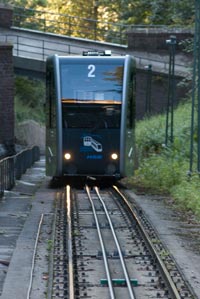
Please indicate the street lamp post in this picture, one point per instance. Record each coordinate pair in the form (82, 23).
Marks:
(171, 91)
(195, 92)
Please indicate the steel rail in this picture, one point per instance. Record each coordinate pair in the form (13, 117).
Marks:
(162, 267)
(102, 246)
(70, 254)
(34, 257)
(118, 246)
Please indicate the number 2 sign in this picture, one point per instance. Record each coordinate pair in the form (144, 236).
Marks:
(91, 71)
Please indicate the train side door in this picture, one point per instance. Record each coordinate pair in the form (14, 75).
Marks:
(130, 125)
(50, 121)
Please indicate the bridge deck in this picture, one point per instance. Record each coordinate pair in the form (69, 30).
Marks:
(34, 46)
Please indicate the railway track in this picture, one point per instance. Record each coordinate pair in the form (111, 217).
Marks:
(104, 249)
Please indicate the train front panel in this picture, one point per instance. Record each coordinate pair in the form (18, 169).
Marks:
(91, 116)
(91, 141)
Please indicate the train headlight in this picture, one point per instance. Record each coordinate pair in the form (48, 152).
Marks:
(114, 156)
(67, 156)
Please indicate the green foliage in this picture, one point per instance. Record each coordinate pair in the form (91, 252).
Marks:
(100, 20)
(29, 99)
(183, 12)
(161, 172)
(187, 193)
(161, 9)
(172, 12)
(150, 136)
(164, 169)
(156, 12)
(150, 133)
(27, 3)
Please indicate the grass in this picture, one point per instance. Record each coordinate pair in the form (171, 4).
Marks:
(164, 169)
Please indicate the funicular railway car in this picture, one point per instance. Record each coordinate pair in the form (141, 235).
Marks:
(90, 110)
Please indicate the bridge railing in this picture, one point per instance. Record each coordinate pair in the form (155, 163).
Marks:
(70, 25)
(12, 168)
(41, 48)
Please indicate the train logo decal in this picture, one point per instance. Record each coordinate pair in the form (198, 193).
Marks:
(89, 141)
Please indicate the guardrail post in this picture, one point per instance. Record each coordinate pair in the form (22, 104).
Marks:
(171, 92)
(148, 89)
(43, 50)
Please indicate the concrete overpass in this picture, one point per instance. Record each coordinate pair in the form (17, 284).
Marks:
(30, 49)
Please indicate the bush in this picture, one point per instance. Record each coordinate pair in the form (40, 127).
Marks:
(186, 194)
(149, 136)
(29, 99)
(164, 168)
(161, 171)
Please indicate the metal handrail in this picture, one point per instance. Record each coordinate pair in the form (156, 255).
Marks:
(41, 48)
(33, 51)
(12, 167)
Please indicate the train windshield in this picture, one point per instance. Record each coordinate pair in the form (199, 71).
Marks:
(88, 81)
(91, 116)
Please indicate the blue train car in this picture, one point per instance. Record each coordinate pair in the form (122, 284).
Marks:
(90, 112)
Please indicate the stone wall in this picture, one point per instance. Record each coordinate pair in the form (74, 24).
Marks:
(6, 15)
(6, 95)
(154, 40)
(159, 92)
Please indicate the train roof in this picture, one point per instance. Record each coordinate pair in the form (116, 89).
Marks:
(89, 57)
